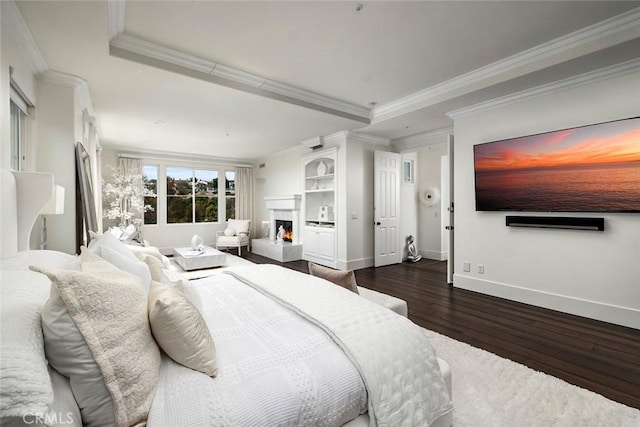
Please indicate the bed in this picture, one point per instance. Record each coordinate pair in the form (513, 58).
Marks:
(290, 349)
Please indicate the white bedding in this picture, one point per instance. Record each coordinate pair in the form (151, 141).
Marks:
(274, 368)
(322, 381)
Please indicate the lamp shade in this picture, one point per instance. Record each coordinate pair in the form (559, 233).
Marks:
(55, 205)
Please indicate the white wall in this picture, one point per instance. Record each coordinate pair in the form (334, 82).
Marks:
(56, 154)
(593, 274)
(429, 218)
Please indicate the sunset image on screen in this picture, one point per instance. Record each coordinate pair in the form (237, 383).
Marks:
(591, 168)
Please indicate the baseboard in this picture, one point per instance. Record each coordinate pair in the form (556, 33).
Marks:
(594, 310)
(355, 264)
(436, 255)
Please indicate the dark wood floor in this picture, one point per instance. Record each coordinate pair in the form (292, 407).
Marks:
(598, 356)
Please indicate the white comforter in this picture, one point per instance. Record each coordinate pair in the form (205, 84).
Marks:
(388, 352)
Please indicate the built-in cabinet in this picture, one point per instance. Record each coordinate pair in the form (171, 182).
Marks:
(319, 171)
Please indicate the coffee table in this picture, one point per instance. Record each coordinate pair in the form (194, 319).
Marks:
(189, 259)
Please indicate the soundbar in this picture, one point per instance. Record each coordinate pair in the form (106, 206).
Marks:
(563, 222)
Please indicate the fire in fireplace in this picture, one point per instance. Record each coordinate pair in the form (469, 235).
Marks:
(288, 229)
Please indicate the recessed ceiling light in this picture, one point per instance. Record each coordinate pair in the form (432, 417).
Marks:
(406, 127)
(372, 104)
(158, 122)
(358, 7)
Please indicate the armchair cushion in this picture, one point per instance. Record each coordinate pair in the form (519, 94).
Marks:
(239, 225)
(229, 231)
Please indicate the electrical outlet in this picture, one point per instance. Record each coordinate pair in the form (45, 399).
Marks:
(481, 268)
(466, 266)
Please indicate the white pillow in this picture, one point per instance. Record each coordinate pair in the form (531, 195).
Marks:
(135, 267)
(180, 330)
(111, 242)
(239, 225)
(97, 333)
(161, 274)
(229, 231)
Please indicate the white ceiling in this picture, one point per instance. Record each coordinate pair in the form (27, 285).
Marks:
(390, 52)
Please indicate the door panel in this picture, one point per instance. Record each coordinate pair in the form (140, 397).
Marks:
(387, 208)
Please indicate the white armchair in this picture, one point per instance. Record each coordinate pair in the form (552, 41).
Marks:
(236, 235)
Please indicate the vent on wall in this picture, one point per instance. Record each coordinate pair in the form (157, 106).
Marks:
(563, 222)
(313, 143)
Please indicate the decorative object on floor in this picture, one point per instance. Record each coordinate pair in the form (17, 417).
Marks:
(412, 253)
(197, 244)
(491, 391)
(55, 206)
(126, 192)
(265, 229)
(429, 197)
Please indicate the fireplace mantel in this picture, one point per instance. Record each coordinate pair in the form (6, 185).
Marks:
(285, 208)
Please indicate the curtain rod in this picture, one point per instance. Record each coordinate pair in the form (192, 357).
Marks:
(185, 158)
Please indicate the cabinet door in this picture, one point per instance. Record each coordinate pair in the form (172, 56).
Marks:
(310, 241)
(326, 244)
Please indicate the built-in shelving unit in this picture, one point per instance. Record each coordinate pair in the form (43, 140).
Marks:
(319, 244)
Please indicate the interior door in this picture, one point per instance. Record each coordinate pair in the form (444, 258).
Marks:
(449, 226)
(386, 195)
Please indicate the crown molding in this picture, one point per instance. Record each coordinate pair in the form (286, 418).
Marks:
(12, 20)
(124, 151)
(116, 18)
(79, 85)
(609, 32)
(150, 53)
(422, 139)
(369, 139)
(591, 77)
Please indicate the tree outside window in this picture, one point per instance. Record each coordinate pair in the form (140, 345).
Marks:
(192, 195)
(150, 177)
(230, 194)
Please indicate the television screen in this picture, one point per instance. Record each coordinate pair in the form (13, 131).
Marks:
(593, 168)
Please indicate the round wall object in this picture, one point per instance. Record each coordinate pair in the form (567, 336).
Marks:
(429, 196)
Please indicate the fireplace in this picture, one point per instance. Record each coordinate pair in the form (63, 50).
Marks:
(288, 229)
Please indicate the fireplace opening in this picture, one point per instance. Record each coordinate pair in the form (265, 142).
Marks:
(288, 229)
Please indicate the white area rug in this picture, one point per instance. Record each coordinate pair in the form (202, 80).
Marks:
(232, 261)
(491, 391)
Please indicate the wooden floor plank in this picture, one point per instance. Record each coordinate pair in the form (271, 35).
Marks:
(598, 356)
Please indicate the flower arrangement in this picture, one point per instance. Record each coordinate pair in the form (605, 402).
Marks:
(126, 192)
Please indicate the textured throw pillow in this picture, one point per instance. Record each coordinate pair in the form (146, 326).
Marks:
(96, 333)
(111, 242)
(229, 231)
(346, 279)
(180, 330)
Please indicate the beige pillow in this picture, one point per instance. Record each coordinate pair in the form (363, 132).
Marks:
(180, 330)
(96, 332)
(346, 279)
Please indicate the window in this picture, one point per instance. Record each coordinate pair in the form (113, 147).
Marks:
(192, 195)
(150, 179)
(18, 136)
(230, 193)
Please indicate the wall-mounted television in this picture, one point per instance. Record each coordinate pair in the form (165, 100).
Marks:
(594, 168)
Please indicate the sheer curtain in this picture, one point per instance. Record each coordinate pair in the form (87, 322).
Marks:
(131, 166)
(244, 193)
